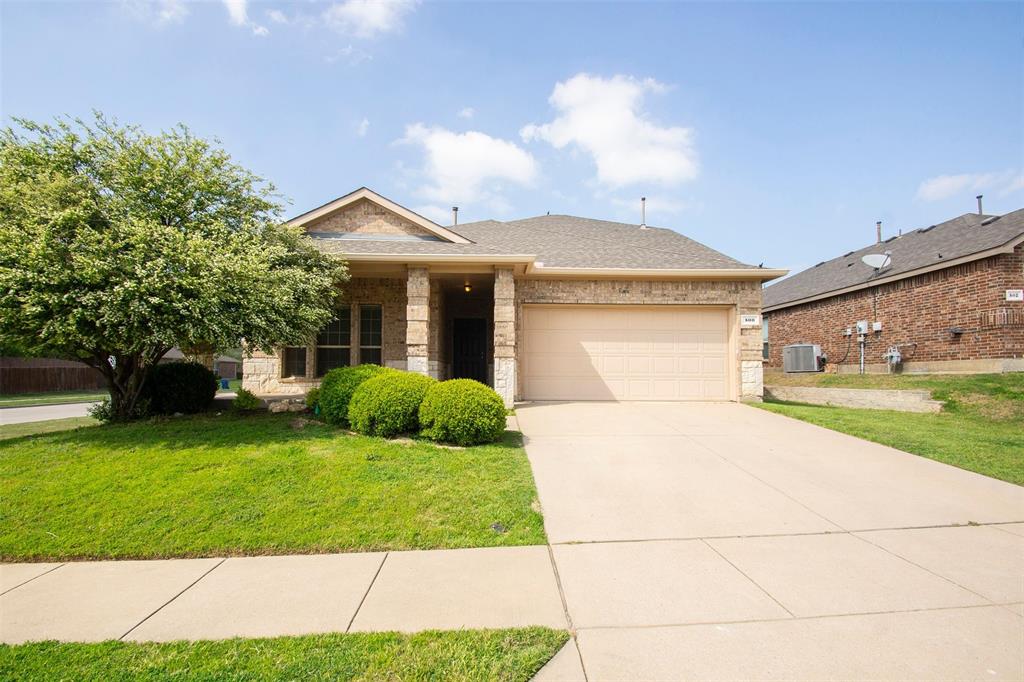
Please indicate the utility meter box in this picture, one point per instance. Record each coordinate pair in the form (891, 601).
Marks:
(862, 327)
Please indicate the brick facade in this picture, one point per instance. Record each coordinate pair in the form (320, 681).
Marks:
(743, 296)
(366, 217)
(917, 314)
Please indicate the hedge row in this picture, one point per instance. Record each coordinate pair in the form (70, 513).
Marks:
(379, 401)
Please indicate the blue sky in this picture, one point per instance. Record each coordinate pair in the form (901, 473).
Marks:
(773, 132)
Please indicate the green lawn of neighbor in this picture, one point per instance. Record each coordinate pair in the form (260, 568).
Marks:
(981, 427)
(501, 655)
(50, 398)
(249, 485)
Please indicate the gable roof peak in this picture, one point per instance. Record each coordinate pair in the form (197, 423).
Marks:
(368, 194)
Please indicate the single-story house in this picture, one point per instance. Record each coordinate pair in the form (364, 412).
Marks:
(224, 366)
(547, 308)
(948, 298)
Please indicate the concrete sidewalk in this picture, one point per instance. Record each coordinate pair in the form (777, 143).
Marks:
(215, 598)
(40, 413)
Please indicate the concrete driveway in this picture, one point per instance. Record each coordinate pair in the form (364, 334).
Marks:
(719, 541)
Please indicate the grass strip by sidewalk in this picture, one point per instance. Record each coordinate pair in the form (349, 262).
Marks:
(249, 485)
(503, 655)
(962, 437)
(50, 398)
(8, 431)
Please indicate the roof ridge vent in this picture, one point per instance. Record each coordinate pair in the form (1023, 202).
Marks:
(925, 229)
(989, 221)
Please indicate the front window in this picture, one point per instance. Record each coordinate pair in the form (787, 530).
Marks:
(370, 323)
(334, 343)
(294, 362)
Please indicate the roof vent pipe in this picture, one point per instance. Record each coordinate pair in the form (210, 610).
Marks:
(980, 212)
(455, 215)
(878, 232)
(643, 213)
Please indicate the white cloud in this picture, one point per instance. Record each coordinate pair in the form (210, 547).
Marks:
(468, 168)
(604, 118)
(946, 186)
(238, 13)
(277, 16)
(467, 112)
(363, 127)
(349, 54)
(161, 12)
(368, 18)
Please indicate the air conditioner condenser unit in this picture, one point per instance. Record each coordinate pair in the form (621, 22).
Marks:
(802, 357)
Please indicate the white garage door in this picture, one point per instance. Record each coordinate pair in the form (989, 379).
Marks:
(574, 352)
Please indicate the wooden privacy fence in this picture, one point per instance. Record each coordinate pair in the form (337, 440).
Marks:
(39, 375)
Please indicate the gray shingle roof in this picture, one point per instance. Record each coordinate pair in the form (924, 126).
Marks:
(966, 235)
(569, 242)
(558, 241)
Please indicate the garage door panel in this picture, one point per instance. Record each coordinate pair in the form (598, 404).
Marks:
(576, 352)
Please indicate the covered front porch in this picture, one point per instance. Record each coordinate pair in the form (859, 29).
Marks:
(462, 325)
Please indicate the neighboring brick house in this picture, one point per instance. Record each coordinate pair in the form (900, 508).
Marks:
(950, 299)
(547, 308)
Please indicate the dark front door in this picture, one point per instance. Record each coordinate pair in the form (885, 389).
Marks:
(469, 340)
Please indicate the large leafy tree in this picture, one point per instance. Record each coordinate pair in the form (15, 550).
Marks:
(116, 245)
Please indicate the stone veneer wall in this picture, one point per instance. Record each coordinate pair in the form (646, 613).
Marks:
(261, 373)
(505, 377)
(417, 314)
(744, 295)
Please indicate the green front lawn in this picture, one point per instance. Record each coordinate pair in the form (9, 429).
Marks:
(50, 398)
(248, 485)
(980, 428)
(459, 655)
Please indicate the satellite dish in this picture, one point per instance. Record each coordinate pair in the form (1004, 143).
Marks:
(877, 260)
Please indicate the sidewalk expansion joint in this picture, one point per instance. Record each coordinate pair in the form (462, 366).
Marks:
(367, 593)
(565, 610)
(161, 607)
(32, 578)
(856, 614)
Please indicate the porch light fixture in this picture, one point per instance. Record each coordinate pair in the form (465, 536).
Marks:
(468, 287)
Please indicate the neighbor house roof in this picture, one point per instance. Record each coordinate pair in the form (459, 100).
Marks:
(969, 237)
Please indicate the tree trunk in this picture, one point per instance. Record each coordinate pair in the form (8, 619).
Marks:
(125, 382)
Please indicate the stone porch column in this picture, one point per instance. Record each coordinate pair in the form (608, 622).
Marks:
(505, 335)
(417, 315)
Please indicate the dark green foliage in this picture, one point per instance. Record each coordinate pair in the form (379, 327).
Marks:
(337, 388)
(312, 398)
(185, 387)
(462, 411)
(389, 404)
(245, 401)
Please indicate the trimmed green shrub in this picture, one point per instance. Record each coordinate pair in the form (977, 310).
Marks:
(185, 387)
(388, 404)
(245, 401)
(312, 398)
(337, 388)
(462, 411)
